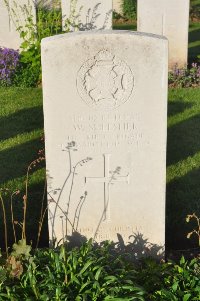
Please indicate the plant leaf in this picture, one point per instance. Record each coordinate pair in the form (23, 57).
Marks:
(186, 297)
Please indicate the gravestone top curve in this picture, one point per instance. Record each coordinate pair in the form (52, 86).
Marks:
(74, 35)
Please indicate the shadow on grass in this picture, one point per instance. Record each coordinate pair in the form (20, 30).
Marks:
(194, 50)
(34, 205)
(33, 215)
(14, 161)
(25, 120)
(182, 198)
(178, 107)
(183, 194)
(125, 27)
(194, 33)
(183, 140)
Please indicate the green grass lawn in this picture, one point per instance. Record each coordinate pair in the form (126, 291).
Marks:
(183, 162)
(194, 42)
(129, 26)
(21, 123)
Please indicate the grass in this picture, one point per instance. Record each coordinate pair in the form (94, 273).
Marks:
(194, 41)
(128, 26)
(183, 163)
(21, 123)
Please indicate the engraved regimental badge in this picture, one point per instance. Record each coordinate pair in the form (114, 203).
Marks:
(105, 81)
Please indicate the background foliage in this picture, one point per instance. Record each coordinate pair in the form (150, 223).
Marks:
(129, 8)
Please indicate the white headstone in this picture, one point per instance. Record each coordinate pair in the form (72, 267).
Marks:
(117, 6)
(87, 14)
(9, 36)
(112, 102)
(171, 19)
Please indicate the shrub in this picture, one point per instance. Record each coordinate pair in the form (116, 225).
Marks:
(49, 22)
(95, 273)
(79, 274)
(116, 16)
(181, 283)
(27, 75)
(129, 8)
(9, 60)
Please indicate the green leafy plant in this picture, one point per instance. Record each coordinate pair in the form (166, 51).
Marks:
(129, 8)
(48, 23)
(151, 274)
(116, 16)
(79, 274)
(95, 272)
(182, 283)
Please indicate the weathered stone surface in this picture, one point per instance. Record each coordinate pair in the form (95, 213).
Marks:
(9, 36)
(168, 18)
(112, 102)
(87, 14)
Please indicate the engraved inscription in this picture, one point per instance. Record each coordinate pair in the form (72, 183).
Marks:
(105, 232)
(107, 179)
(106, 131)
(105, 81)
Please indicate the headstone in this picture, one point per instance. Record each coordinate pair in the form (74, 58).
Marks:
(9, 36)
(105, 110)
(49, 4)
(87, 14)
(117, 6)
(171, 19)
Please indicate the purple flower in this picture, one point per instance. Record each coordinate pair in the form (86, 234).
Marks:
(186, 77)
(9, 59)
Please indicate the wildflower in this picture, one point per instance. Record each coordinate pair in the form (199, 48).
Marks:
(9, 60)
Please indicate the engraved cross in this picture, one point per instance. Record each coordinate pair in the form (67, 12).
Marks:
(107, 180)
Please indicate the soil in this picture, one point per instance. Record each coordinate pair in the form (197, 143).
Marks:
(124, 21)
(195, 20)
